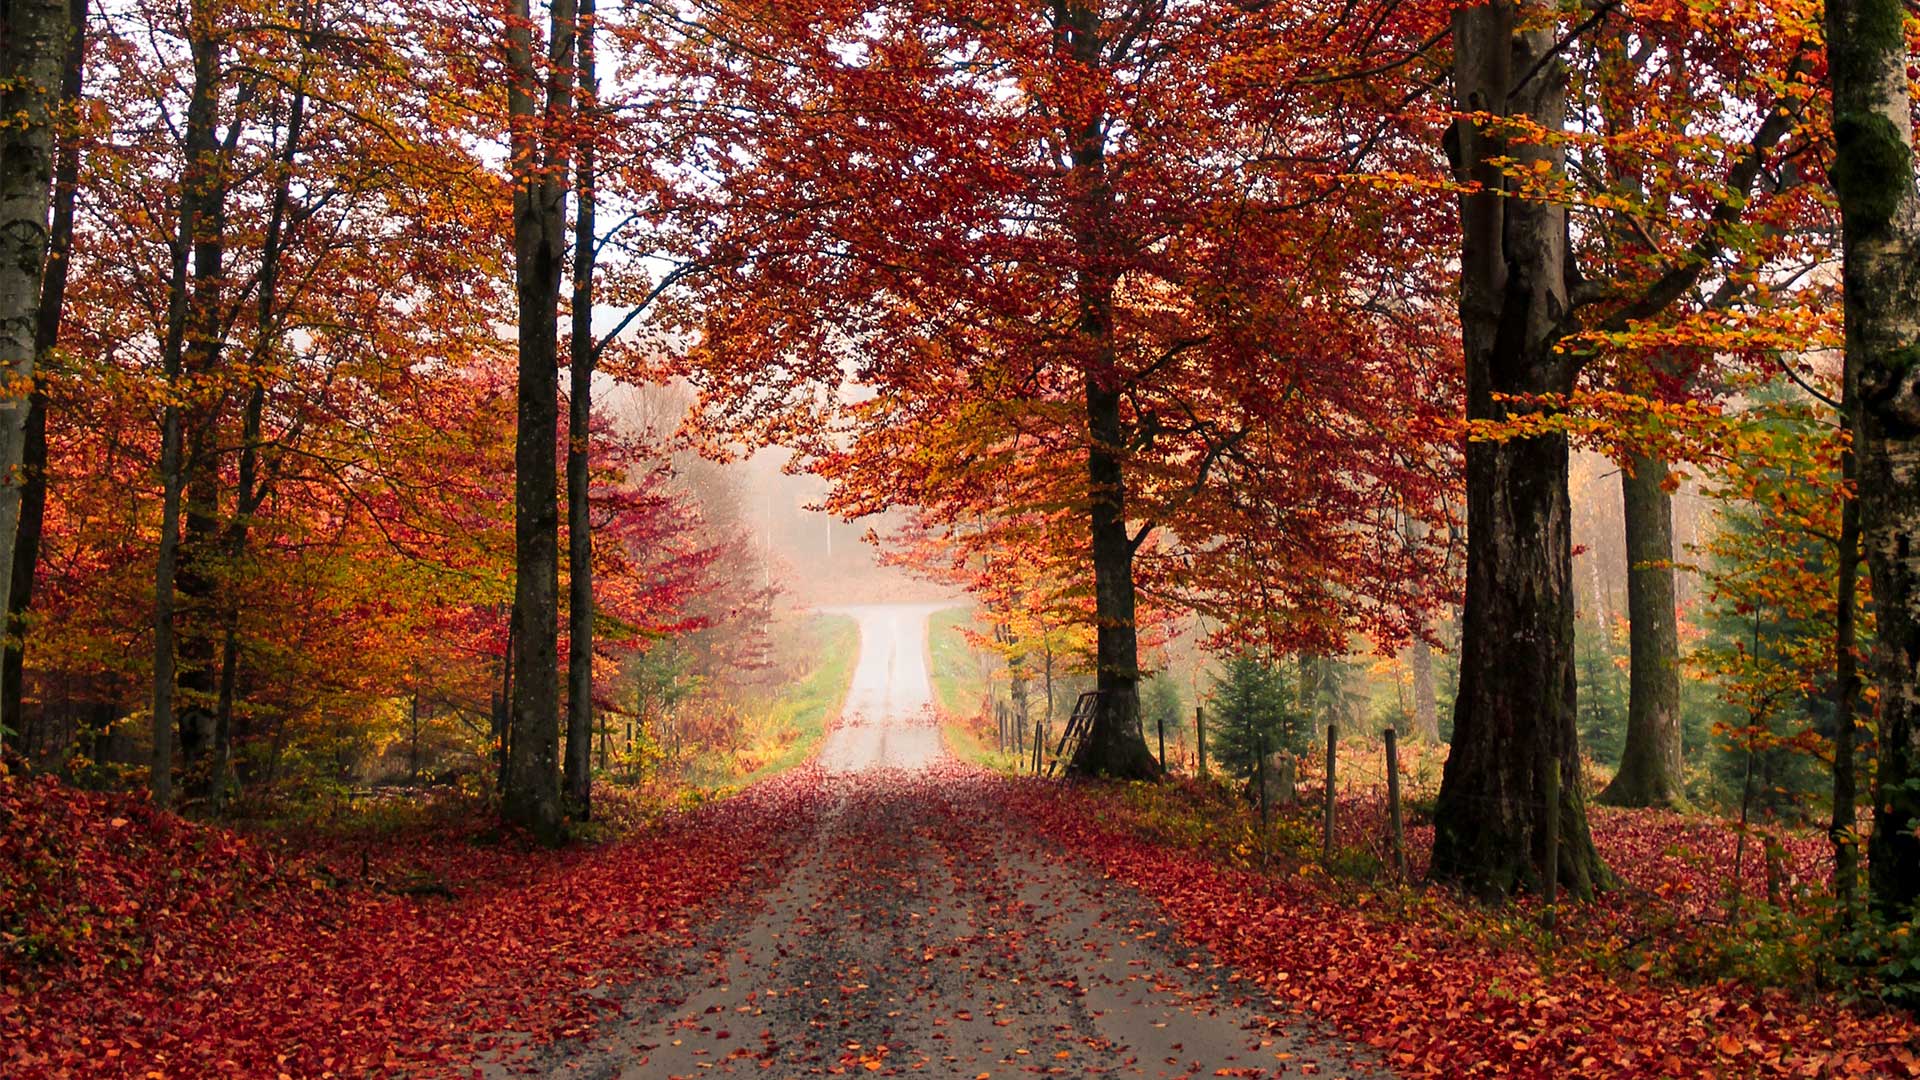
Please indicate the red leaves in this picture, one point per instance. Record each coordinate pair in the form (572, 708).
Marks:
(1438, 1002)
(190, 951)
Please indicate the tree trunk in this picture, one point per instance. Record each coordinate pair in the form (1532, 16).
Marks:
(198, 569)
(253, 482)
(1844, 832)
(46, 337)
(532, 790)
(1650, 762)
(579, 771)
(200, 183)
(1873, 177)
(199, 543)
(1114, 746)
(1426, 709)
(33, 47)
(1515, 712)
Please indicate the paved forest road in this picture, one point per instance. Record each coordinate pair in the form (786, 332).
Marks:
(919, 932)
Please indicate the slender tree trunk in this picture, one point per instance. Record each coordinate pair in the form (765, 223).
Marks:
(579, 772)
(198, 570)
(1650, 766)
(200, 181)
(1426, 709)
(46, 337)
(1873, 176)
(33, 46)
(1844, 831)
(252, 487)
(532, 789)
(1515, 712)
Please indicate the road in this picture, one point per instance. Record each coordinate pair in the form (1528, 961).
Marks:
(919, 931)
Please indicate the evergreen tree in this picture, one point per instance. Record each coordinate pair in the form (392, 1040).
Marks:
(1161, 706)
(1254, 704)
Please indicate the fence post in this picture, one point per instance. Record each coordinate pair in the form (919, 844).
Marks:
(1160, 722)
(1553, 840)
(1393, 803)
(1200, 739)
(1326, 838)
(1039, 740)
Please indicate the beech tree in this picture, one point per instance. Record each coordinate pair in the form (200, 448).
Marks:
(1068, 246)
(46, 338)
(1524, 305)
(33, 48)
(1873, 176)
(540, 100)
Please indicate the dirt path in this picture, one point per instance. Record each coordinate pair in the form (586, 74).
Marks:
(921, 933)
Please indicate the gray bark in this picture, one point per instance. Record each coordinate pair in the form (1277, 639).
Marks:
(539, 161)
(1426, 707)
(1843, 830)
(46, 337)
(579, 772)
(255, 478)
(1114, 746)
(1650, 764)
(200, 182)
(33, 48)
(1515, 712)
(1873, 175)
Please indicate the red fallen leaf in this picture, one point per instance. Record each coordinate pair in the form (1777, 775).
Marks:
(257, 968)
(1348, 965)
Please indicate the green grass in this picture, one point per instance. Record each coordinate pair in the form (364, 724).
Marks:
(960, 690)
(797, 719)
(959, 685)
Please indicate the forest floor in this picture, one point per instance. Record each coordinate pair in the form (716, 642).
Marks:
(884, 909)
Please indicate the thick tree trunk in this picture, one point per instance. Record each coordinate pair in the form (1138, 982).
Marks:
(1873, 176)
(1114, 746)
(1650, 762)
(1515, 711)
(532, 788)
(46, 337)
(579, 770)
(33, 47)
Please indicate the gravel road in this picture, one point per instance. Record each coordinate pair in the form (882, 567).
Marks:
(920, 931)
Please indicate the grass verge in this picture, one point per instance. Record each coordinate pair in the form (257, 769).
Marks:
(795, 721)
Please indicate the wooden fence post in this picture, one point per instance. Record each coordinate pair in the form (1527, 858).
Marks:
(1326, 838)
(1200, 739)
(1160, 722)
(1393, 803)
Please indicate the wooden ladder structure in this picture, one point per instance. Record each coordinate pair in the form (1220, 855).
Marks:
(1079, 725)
